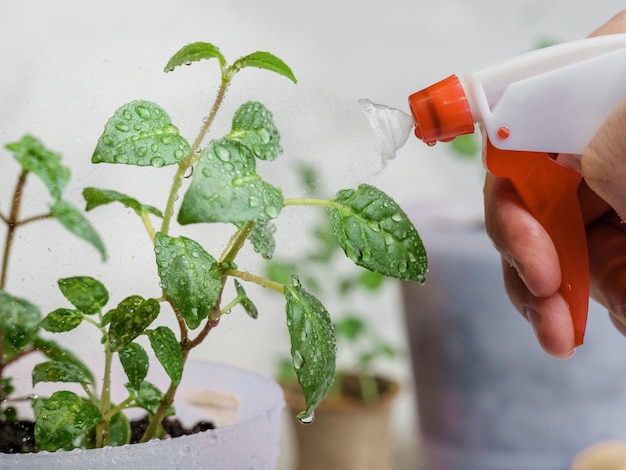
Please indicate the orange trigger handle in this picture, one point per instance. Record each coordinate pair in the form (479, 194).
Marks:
(549, 191)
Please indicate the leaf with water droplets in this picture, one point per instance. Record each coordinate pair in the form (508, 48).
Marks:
(130, 318)
(253, 125)
(189, 275)
(375, 233)
(74, 220)
(58, 354)
(46, 164)
(97, 197)
(245, 301)
(148, 397)
(85, 293)
(226, 188)
(19, 322)
(168, 352)
(56, 371)
(194, 52)
(262, 238)
(135, 362)
(312, 344)
(62, 418)
(140, 133)
(61, 320)
(263, 60)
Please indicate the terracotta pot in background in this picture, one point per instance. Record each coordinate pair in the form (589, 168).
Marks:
(346, 433)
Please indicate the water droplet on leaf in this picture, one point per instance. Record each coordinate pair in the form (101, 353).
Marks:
(298, 360)
(122, 126)
(306, 418)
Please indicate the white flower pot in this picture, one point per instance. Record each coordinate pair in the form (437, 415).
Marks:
(251, 442)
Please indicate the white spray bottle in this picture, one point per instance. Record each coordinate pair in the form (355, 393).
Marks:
(531, 108)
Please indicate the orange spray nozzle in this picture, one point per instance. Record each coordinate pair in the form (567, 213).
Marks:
(441, 111)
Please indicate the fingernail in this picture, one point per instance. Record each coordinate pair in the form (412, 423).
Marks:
(568, 355)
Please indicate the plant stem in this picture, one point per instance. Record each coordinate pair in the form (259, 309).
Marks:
(308, 202)
(236, 243)
(102, 428)
(261, 281)
(11, 225)
(164, 405)
(192, 157)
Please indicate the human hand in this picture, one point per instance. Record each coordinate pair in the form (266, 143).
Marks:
(532, 275)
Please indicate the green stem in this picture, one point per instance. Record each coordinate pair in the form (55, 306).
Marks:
(164, 405)
(236, 243)
(122, 406)
(148, 225)
(369, 388)
(261, 281)
(308, 202)
(103, 427)
(12, 225)
(192, 157)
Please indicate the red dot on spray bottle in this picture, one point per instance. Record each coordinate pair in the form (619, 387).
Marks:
(504, 132)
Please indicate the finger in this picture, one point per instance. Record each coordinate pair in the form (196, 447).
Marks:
(603, 162)
(617, 24)
(549, 316)
(520, 238)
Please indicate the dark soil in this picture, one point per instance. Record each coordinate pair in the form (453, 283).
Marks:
(17, 437)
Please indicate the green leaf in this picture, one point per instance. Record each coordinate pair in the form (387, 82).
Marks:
(189, 275)
(85, 293)
(58, 354)
(375, 233)
(97, 197)
(168, 352)
(226, 188)
(350, 328)
(264, 60)
(73, 220)
(371, 280)
(135, 362)
(465, 145)
(130, 318)
(62, 418)
(148, 397)
(62, 319)
(194, 52)
(279, 271)
(119, 430)
(262, 238)
(312, 345)
(245, 301)
(19, 322)
(53, 371)
(34, 157)
(253, 125)
(140, 133)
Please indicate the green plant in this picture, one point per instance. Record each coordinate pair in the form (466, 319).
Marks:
(221, 186)
(329, 278)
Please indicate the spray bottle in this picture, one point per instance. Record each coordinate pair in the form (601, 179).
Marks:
(530, 109)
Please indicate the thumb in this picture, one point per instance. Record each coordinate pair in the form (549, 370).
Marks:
(603, 163)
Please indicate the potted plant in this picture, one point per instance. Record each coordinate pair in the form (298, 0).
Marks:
(196, 289)
(352, 429)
